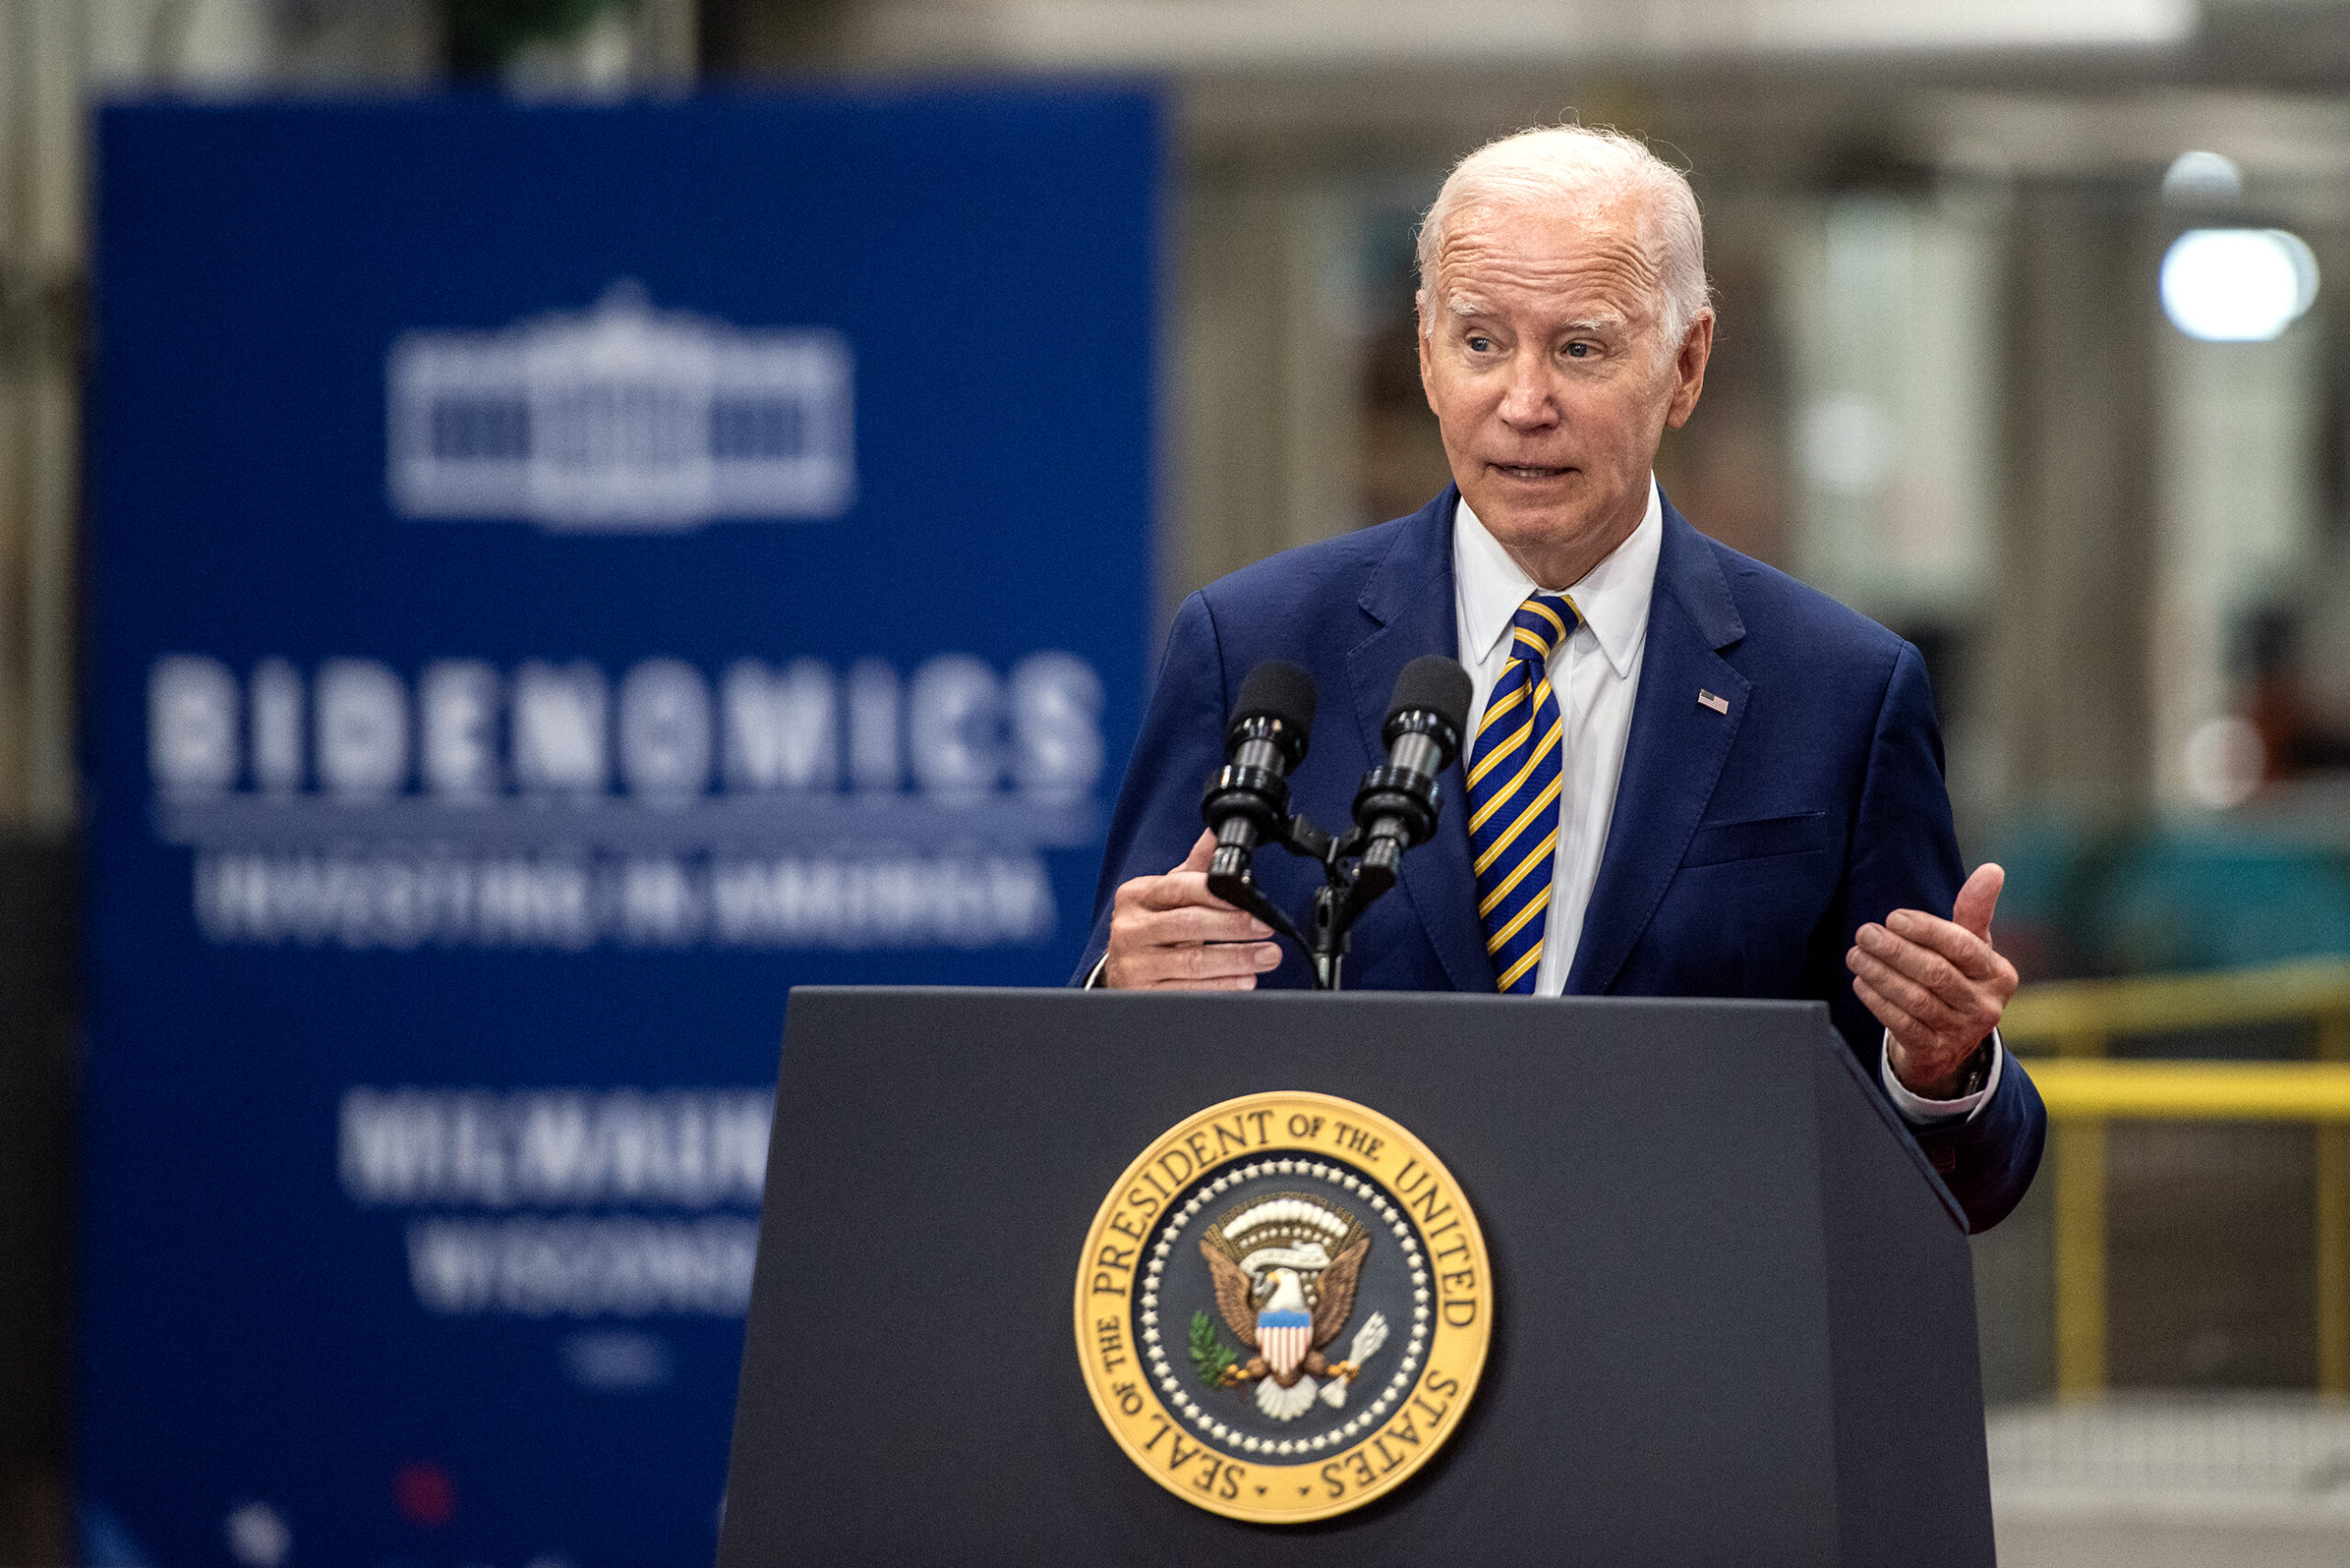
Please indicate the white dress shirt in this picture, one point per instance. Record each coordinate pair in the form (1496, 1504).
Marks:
(1595, 675)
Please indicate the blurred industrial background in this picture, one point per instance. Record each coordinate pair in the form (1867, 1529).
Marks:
(2032, 346)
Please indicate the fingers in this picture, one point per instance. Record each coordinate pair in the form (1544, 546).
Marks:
(1918, 1000)
(1227, 982)
(1958, 966)
(1980, 899)
(1208, 962)
(1203, 851)
(1953, 980)
(1198, 966)
(1167, 928)
(1177, 890)
(1965, 952)
(1929, 986)
(1157, 912)
(1887, 1013)
(1170, 931)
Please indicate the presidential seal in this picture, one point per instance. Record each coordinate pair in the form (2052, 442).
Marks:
(1284, 1307)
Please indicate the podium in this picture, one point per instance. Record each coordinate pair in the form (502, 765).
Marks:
(1732, 1308)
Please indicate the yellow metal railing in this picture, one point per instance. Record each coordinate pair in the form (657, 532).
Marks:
(2078, 1020)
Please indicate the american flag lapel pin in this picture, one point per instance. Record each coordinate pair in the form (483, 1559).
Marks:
(1707, 700)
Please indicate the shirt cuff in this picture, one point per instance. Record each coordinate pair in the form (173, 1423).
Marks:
(1920, 1112)
(1093, 982)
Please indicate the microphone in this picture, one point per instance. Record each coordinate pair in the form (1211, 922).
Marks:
(1248, 800)
(1397, 804)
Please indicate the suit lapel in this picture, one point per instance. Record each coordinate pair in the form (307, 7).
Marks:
(1411, 596)
(1674, 755)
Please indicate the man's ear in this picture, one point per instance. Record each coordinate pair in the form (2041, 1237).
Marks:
(1420, 336)
(1689, 369)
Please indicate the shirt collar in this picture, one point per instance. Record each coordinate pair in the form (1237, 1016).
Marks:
(1613, 596)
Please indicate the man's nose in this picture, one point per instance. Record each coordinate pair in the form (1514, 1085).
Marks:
(1528, 402)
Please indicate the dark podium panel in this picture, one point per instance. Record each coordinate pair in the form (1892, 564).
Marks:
(1734, 1315)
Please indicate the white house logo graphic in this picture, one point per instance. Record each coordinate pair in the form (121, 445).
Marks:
(622, 418)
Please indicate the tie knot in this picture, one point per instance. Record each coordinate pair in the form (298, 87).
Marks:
(1541, 625)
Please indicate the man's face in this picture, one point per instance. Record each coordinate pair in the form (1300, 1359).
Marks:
(1543, 353)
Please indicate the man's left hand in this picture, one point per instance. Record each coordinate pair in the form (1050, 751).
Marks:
(1937, 986)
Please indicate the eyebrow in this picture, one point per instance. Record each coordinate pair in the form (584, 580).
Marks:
(1464, 304)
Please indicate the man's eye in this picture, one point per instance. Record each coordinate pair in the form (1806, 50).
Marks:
(1578, 351)
(1479, 343)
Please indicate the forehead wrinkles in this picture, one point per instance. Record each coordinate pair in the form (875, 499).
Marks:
(1584, 259)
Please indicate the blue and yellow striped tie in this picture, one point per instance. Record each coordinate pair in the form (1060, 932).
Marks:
(1514, 793)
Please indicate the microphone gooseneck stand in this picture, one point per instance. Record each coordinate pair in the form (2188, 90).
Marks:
(1395, 808)
(1346, 891)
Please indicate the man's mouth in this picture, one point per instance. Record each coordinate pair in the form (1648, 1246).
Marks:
(1528, 470)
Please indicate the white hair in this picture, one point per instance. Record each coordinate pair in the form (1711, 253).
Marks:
(1576, 164)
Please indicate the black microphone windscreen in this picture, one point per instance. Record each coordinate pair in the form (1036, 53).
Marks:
(1436, 684)
(1278, 689)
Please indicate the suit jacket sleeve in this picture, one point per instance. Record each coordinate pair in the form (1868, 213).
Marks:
(1181, 742)
(1905, 855)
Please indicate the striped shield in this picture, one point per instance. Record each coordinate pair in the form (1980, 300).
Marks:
(1283, 1336)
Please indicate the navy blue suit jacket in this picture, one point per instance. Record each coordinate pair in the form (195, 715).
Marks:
(1746, 847)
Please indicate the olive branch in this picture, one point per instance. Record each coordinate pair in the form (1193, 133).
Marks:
(1210, 1356)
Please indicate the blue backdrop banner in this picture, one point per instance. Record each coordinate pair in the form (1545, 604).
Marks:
(560, 577)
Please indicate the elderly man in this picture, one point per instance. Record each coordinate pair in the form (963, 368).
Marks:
(1687, 774)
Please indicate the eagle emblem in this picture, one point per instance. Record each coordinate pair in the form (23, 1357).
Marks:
(1239, 1254)
(1285, 1268)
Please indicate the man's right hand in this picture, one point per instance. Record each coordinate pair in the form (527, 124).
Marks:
(1171, 934)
